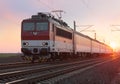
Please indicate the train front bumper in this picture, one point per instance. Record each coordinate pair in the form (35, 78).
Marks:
(35, 51)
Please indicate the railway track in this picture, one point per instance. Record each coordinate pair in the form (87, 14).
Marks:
(16, 65)
(27, 64)
(42, 73)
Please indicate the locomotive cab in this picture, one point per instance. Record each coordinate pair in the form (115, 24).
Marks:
(35, 39)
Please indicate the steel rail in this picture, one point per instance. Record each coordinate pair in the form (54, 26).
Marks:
(22, 64)
(45, 76)
(30, 71)
(12, 73)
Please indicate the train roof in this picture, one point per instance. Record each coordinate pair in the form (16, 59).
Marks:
(83, 35)
(91, 38)
(47, 16)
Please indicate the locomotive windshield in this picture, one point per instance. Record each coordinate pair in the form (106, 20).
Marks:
(28, 26)
(41, 26)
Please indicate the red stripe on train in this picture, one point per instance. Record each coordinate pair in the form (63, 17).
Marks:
(35, 38)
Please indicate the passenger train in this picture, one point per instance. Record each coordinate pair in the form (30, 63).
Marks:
(44, 37)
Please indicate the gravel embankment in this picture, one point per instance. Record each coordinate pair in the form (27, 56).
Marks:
(102, 74)
(116, 80)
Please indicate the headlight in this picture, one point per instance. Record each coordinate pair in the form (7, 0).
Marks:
(25, 43)
(44, 43)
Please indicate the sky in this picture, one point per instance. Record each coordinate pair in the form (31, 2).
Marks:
(103, 15)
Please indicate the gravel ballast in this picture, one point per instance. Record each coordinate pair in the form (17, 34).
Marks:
(101, 74)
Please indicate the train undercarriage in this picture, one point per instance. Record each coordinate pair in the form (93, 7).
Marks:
(61, 56)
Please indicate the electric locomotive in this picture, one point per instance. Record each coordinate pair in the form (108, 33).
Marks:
(45, 37)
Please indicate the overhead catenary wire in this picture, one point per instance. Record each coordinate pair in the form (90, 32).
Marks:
(48, 6)
(85, 2)
(60, 11)
(115, 28)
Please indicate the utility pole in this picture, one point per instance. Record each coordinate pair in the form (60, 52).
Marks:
(74, 40)
(95, 36)
(74, 26)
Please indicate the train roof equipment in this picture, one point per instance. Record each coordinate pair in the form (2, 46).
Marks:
(47, 16)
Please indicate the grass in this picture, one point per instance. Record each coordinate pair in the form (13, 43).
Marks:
(8, 54)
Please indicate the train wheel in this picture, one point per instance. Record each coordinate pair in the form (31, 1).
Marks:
(30, 58)
(53, 57)
(45, 59)
(49, 59)
(33, 59)
(40, 59)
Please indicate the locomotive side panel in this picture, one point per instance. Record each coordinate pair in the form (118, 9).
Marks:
(63, 40)
(60, 39)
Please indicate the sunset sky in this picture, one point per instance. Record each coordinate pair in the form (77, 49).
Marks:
(102, 14)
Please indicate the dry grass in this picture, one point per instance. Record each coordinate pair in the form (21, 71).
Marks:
(8, 54)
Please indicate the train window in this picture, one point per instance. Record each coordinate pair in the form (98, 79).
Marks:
(28, 26)
(42, 26)
(63, 33)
